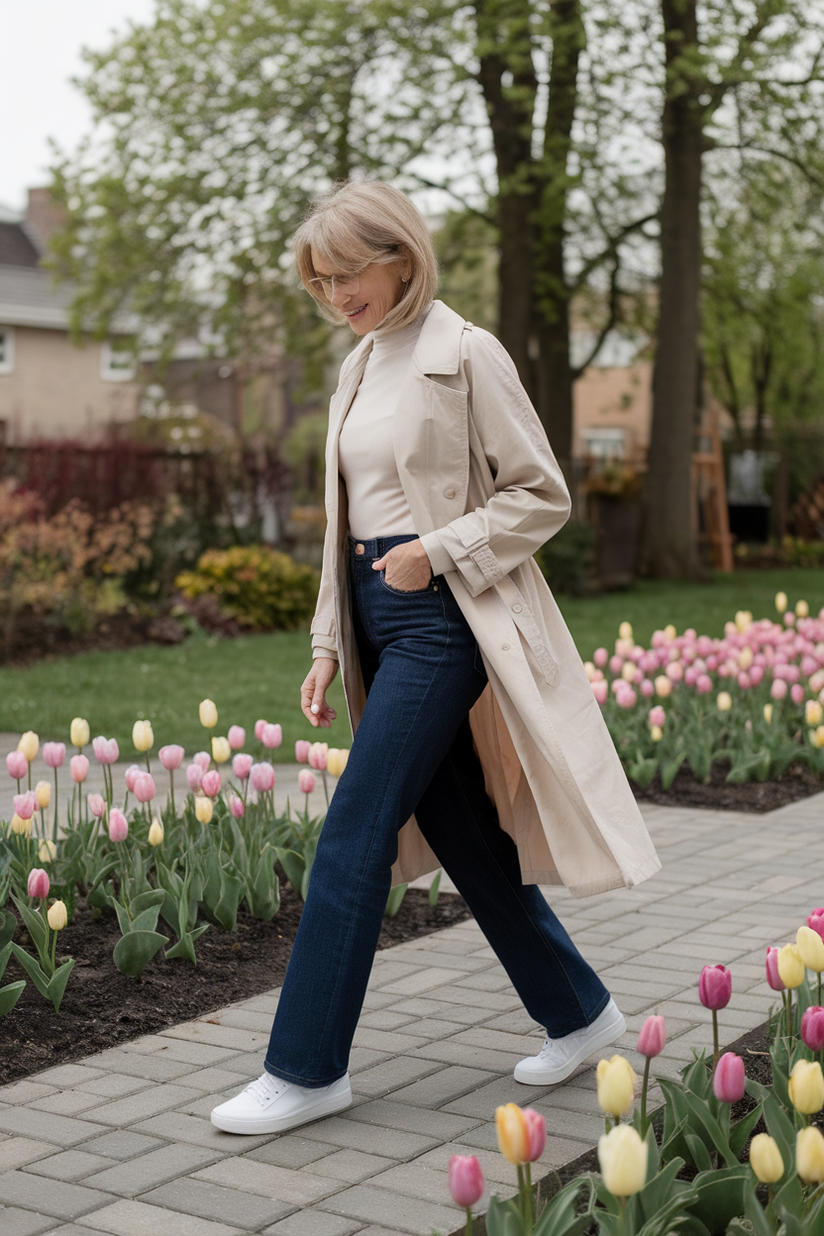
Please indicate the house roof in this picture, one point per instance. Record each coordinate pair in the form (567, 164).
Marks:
(28, 297)
(16, 248)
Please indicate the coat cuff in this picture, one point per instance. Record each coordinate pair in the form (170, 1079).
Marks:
(439, 558)
(319, 650)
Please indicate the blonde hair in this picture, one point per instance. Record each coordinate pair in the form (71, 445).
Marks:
(359, 224)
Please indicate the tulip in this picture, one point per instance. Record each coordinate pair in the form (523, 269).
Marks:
(208, 714)
(236, 736)
(536, 1134)
(211, 783)
(811, 948)
(466, 1181)
(765, 1159)
(809, 1155)
(715, 987)
(54, 753)
(47, 851)
(204, 809)
(600, 656)
(237, 807)
(728, 1079)
(768, 712)
(263, 778)
(38, 883)
(628, 671)
(600, 690)
(79, 766)
(703, 684)
(802, 609)
(816, 737)
(778, 689)
(25, 805)
(144, 787)
(724, 701)
(773, 977)
(79, 732)
(647, 688)
(653, 1036)
(221, 751)
(29, 744)
(813, 713)
(259, 729)
(301, 749)
(790, 966)
(623, 1159)
(106, 749)
(42, 792)
(336, 760)
(625, 630)
(97, 805)
(57, 915)
(816, 921)
(194, 777)
(118, 825)
(17, 764)
(131, 775)
(171, 757)
(615, 1081)
(663, 686)
(807, 1087)
(781, 601)
(272, 736)
(318, 754)
(203, 758)
(242, 765)
(657, 716)
(812, 1027)
(513, 1135)
(625, 698)
(656, 733)
(306, 781)
(155, 832)
(142, 735)
(20, 826)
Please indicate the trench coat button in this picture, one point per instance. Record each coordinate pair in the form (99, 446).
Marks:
(360, 549)
(449, 493)
(505, 647)
(516, 609)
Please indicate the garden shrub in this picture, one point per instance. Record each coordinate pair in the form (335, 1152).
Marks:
(567, 560)
(257, 587)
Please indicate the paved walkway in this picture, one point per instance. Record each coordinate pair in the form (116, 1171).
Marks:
(121, 1142)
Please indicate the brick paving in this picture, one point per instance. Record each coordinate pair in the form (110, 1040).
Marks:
(121, 1143)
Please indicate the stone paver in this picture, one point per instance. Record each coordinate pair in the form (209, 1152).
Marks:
(121, 1143)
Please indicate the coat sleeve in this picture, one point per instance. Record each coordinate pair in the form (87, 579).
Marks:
(530, 502)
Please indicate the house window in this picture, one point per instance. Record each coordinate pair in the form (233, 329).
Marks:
(605, 443)
(117, 359)
(6, 349)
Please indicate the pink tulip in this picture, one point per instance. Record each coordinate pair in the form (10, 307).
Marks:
(106, 749)
(272, 736)
(194, 777)
(466, 1180)
(657, 716)
(38, 884)
(812, 1026)
(203, 759)
(97, 805)
(616, 664)
(236, 807)
(17, 764)
(171, 757)
(715, 987)
(242, 765)
(797, 693)
(306, 781)
(704, 684)
(600, 656)
(778, 690)
(263, 778)
(647, 688)
(236, 736)
(131, 775)
(54, 754)
(536, 1134)
(118, 825)
(773, 977)
(756, 675)
(600, 690)
(79, 766)
(626, 698)
(653, 1036)
(744, 680)
(302, 748)
(25, 804)
(317, 755)
(816, 921)
(729, 1079)
(144, 788)
(259, 729)
(674, 671)
(211, 783)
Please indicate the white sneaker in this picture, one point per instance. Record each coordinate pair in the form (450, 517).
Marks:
(560, 1057)
(271, 1105)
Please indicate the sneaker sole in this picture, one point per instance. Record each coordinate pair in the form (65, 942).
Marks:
(271, 1124)
(536, 1077)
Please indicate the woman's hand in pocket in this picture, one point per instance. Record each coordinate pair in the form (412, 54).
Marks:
(407, 567)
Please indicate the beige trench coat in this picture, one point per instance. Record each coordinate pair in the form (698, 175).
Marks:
(477, 470)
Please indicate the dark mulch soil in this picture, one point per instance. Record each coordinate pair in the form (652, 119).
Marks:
(102, 1007)
(716, 795)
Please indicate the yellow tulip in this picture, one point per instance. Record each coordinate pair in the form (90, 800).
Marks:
(204, 809)
(802, 609)
(656, 733)
(807, 1087)
(208, 714)
(29, 744)
(142, 735)
(43, 793)
(768, 711)
(47, 852)
(765, 1159)
(813, 712)
(336, 759)
(743, 619)
(663, 686)
(781, 601)
(221, 751)
(57, 915)
(724, 701)
(21, 827)
(625, 630)
(79, 734)
(809, 1155)
(616, 1085)
(670, 631)
(155, 832)
(513, 1135)
(628, 671)
(811, 948)
(745, 658)
(790, 966)
(623, 1159)
(817, 737)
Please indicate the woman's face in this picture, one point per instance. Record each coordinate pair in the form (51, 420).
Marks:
(365, 299)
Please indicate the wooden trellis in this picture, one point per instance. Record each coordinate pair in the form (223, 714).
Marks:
(710, 518)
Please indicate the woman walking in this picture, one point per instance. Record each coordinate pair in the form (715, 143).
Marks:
(478, 744)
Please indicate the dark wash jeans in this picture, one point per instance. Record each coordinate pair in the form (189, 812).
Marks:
(413, 752)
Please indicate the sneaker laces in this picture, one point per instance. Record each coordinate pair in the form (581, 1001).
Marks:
(265, 1088)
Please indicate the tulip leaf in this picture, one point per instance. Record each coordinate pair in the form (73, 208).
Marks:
(185, 946)
(34, 924)
(670, 769)
(124, 922)
(720, 1196)
(789, 1194)
(5, 954)
(394, 900)
(781, 1129)
(435, 887)
(146, 901)
(135, 950)
(711, 1128)
(643, 771)
(753, 1211)
(699, 1154)
(57, 983)
(503, 1219)
(33, 969)
(741, 1130)
(8, 926)
(146, 920)
(9, 995)
(559, 1217)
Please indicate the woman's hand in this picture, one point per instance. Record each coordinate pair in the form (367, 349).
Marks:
(407, 567)
(313, 692)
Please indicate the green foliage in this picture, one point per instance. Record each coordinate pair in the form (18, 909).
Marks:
(567, 560)
(258, 587)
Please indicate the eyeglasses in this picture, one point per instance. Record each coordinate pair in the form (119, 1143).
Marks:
(344, 283)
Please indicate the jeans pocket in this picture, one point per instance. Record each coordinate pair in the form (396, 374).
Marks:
(401, 592)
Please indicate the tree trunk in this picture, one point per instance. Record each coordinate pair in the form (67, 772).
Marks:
(669, 548)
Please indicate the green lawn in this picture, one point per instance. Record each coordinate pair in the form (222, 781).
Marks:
(260, 675)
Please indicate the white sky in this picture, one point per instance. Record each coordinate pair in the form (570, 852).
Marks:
(40, 42)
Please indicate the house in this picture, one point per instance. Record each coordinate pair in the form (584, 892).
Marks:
(612, 400)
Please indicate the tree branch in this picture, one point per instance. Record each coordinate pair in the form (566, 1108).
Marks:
(612, 318)
(610, 250)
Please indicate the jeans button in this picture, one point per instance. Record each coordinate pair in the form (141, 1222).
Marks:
(360, 549)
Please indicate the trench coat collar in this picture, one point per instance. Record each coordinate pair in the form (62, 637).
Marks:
(438, 350)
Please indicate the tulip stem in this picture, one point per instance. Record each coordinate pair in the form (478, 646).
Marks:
(789, 1015)
(325, 787)
(54, 824)
(715, 1052)
(647, 1063)
(172, 790)
(468, 1228)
